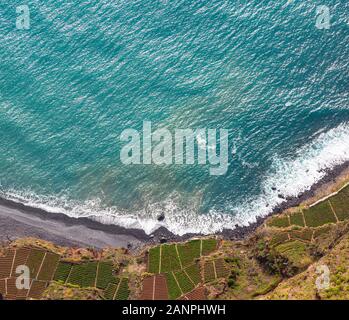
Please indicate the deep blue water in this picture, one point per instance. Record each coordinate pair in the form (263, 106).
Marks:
(87, 70)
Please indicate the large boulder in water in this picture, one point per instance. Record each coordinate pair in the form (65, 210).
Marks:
(161, 217)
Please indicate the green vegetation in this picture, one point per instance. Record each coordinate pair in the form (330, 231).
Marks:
(83, 275)
(77, 275)
(181, 259)
(296, 253)
(305, 234)
(62, 272)
(339, 288)
(221, 270)
(58, 291)
(123, 290)
(34, 261)
(322, 231)
(345, 192)
(189, 251)
(278, 238)
(297, 219)
(174, 291)
(279, 222)
(109, 293)
(301, 286)
(105, 275)
(233, 277)
(208, 246)
(193, 272)
(319, 215)
(184, 282)
(340, 203)
(169, 258)
(209, 274)
(262, 265)
(174, 257)
(235, 261)
(276, 260)
(267, 287)
(154, 260)
(48, 267)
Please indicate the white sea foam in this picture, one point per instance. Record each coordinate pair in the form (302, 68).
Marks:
(289, 177)
(293, 177)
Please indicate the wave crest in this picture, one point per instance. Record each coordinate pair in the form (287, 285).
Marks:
(287, 177)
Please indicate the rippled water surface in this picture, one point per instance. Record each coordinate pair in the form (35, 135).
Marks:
(86, 70)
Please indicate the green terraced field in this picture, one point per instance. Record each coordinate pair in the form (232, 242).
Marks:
(184, 282)
(322, 231)
(340, 203)
(123, 290)
(169, 258)
(189, 251)
(305, 234)
(174, 291)
(345, 192)
(105, 275)
(221, 270)
(62, 272)
(118, 290)
(77, 274)
(154, 260)
(34, 261)
(208, 246)
(48, 267)
(193, 272)
(110, 291)
(279, 222)
(209, 274)
(295, 251)
(319, 215)
(90, 274)
(83, 275)
(278, 238)
(297, 219)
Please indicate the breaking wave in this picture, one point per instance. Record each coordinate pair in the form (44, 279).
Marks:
(286, 177)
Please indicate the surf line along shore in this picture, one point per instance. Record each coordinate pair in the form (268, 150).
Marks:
(18, 220)
(178, 148)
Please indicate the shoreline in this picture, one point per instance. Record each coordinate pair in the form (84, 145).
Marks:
(332, 180)
(18, 221)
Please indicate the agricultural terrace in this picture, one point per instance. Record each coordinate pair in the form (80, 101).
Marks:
(215, 269)
(177, 256)
(118, 290)
(41, 264)
(197, 294)
(155, 288)
(182, 270)
(292, 231)
(93, 274)
(179, 264)
(332, 210)
(293, 236)
(46, 267)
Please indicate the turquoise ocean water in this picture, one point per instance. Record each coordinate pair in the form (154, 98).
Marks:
(86, 70)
